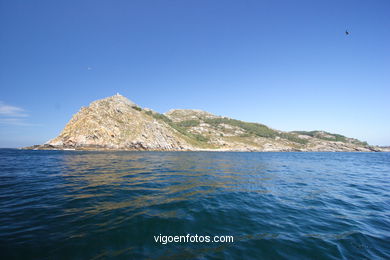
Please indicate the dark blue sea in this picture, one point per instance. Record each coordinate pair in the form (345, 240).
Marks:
(112, 205)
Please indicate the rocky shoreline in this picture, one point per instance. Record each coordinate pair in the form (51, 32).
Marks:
(99, 148)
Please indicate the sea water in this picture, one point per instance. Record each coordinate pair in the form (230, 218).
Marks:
(102, 205)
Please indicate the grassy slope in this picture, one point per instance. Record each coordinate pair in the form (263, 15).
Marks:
(251, 131)
(194, 139)
(254, 129)
(330, 137)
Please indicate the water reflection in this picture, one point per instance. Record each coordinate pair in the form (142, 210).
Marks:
(96, 205)
(133, 180)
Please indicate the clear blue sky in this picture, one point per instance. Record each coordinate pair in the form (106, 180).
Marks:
(287, 64)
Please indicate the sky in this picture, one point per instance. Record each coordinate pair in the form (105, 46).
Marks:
(286, 64)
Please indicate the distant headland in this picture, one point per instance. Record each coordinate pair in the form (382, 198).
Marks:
(116, 123)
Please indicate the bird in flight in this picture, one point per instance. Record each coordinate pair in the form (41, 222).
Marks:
(346, 32)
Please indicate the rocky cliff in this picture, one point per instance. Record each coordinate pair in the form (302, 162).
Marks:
(119, 124)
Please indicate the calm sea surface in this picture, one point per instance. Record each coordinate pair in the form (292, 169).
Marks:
(99, 205)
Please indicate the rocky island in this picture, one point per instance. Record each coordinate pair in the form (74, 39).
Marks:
(116, 123)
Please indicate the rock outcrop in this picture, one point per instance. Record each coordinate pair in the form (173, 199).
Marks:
(116, 123)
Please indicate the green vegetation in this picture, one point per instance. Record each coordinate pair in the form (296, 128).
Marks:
(317, 134)
(251, 129)
(188, 123)
(254, 129)
(137, 108)
(334, 137)
(180, 126)
(292, 138)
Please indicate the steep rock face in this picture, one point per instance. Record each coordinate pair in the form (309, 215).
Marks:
(117, 123)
